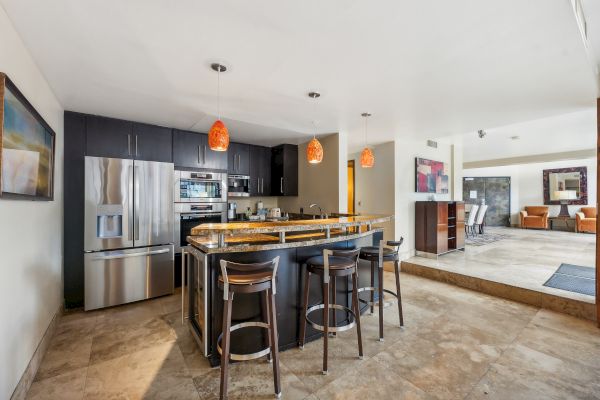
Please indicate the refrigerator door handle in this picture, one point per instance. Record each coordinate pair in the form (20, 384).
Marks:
(130, 203)
(136, 146)
(129, 255)
(128, 144)
(136, 199)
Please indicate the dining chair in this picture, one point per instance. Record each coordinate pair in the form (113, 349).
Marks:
(481, 217)
(469, 226)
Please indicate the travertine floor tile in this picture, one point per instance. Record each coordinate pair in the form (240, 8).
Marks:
(153, 373)
(67, 386)
(125, 339)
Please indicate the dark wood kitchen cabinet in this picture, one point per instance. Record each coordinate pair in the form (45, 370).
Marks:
(190, 150)
(238, 159)
(115, 138)
(152, 143)
(260, 171)
(284, 170)
(108, 137)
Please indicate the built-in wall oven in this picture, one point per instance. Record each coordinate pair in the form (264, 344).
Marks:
(189, 215)
(200, 187)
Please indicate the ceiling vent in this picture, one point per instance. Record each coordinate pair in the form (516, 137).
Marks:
(432, 143)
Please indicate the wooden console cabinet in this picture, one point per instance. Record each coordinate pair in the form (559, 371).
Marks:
(439, 227)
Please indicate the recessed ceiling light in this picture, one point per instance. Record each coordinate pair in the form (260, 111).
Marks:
(481, 133)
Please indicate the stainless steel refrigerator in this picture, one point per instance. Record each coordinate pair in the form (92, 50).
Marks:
(128, 231)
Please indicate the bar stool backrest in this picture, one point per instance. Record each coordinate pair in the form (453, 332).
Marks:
(241, 269)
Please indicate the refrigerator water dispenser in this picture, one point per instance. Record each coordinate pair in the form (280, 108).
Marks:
(109, 221)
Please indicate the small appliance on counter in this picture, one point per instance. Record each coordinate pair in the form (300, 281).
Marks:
(274, 213)
(232, 211)
(238, 185)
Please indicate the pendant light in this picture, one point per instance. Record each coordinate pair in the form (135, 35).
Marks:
(367, 159)
(218, 136)
(314, 150)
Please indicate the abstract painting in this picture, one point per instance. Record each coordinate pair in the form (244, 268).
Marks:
(431, 176)
(27, 147)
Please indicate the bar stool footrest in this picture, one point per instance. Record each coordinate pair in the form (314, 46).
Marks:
(386, 304)
(333, 329)
(245, 357)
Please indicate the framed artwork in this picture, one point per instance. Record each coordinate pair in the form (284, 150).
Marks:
(26, 147)
(431, 176)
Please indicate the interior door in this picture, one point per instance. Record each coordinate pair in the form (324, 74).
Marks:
(153, 198)
(495, 191)
(108, 203)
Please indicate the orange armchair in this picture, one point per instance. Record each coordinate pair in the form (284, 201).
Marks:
(586, 220)
(534, 217)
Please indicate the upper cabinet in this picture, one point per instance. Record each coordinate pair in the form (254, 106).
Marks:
(152, 143)
(284, 170)
(260, 171)
(115, 138)
(190, 149)
(109, 137)
(238, 159)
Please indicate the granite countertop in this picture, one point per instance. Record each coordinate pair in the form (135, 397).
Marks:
(260, 241)
(288, 226)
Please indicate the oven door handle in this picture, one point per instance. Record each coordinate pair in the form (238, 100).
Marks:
(212, 214)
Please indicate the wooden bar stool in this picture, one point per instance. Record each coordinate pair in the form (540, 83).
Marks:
(377, 256)
(329, 266)
(248, 278)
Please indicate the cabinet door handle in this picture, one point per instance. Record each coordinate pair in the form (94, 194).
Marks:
(128, 144)
(199, 155)
(204, 154)
(281, 185)
(136, 146)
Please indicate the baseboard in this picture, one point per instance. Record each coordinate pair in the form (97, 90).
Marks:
(20, 392)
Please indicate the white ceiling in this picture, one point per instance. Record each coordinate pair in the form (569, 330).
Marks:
(556, 134)
(426, 68)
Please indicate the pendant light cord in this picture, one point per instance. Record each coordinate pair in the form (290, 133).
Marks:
(219, 92)
(314, 117)
(366, 122)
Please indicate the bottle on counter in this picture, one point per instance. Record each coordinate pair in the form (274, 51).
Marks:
(259, 206)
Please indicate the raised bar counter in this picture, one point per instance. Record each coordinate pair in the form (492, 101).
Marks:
(293, 242)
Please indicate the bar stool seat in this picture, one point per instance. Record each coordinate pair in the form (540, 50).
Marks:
(317, 264)
(372, 253)
(249, 278)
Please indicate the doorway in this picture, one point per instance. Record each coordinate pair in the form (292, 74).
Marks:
(495, 192)
(351, 185)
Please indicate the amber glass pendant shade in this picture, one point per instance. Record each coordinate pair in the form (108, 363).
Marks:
(367, 159)
(314, 151)
(218, 136)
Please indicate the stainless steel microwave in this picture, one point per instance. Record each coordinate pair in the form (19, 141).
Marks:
(200, 187)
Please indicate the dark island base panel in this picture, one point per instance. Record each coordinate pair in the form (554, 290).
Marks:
(290, 278)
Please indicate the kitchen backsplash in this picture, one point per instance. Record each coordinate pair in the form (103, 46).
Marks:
(243, 203)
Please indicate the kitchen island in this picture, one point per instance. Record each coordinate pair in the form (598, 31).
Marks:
(248, 242)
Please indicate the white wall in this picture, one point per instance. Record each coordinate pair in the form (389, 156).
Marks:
(527, 187)
(30, 232)
(319, 183)
(389, 187)
(374, 187)
(405, 153)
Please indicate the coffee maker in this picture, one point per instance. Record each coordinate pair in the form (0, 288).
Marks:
(232, 211)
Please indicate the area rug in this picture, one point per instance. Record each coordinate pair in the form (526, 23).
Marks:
(574, 278)
(486, 238)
